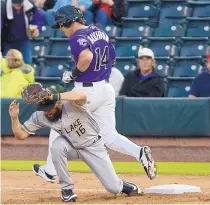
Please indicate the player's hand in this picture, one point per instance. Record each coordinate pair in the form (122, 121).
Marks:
(68, 77)
(14, 109)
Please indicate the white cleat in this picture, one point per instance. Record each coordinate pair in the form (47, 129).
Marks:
(39, 171)
(148, 162)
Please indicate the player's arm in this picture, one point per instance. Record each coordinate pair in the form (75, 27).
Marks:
(85, 58)
(17, 129)
(78, 96)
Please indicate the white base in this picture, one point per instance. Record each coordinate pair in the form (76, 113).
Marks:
(172, 189)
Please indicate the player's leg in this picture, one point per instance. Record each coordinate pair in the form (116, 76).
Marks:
(98, 160)
(47, 171)
(62, 151)
(101, 103)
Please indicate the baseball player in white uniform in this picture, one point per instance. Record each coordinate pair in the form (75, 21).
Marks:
(93, 55)
(78, 139)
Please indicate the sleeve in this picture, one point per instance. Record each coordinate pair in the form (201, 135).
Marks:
(194, 88)
(38, 18)
(85, 3)
(125, 85)
(78, 44)
(28, 73)
(32, 124)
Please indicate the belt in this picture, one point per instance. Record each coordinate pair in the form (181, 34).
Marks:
(91, 84)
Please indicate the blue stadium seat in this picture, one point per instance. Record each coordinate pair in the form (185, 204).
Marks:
(48, 81)
(35, 65)
(47, 32)
(59, 47)
(198, 27)
(136, 27)
(59, 34)
(142, 8)
(193, 46)
(179, 86)
(173, 12)
(187, 66)
(175, 8)
(125, 64)
(163, 66)
(200, 8)
(162, 46)
(127, 46)
(39, 47)
(171, 31)
(54, 66)
(112, 31)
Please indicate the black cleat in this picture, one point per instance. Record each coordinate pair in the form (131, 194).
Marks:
(68, 195)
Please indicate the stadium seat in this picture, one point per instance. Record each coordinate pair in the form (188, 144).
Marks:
(47, 32)
(54, 66)
(173, 12)
(171, 31)
(59, 34)
(59, 47)
(163, 66)
(187, 66)
(175, 8)
(193, 46)
(125, 64)
(39, 47)
(112, 31)
(162, 46)
(127, 46)
(48, 81)
(136, 27)
(35, 65)
(198, 27)
(142, 9)
(179, 87)
(200, 8)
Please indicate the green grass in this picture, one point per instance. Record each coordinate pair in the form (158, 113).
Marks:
(183, 168)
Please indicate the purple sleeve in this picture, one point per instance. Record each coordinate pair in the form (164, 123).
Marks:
(78, 44)
(194, 88)
(38, 18)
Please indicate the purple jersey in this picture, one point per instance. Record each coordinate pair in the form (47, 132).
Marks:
(103, 53)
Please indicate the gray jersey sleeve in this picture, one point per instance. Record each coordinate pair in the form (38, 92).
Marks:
(33, 124)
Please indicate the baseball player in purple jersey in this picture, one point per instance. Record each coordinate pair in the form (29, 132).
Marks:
(93, 55)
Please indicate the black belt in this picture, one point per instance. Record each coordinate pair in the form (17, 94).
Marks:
(91, 84)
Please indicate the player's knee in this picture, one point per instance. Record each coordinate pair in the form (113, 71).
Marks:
(58, 148)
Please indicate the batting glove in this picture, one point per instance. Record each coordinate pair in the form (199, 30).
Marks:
(67, 77)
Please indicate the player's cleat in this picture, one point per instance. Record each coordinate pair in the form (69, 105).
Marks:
(39, 171)
(130, 189)
(68, 195)
(148, 162)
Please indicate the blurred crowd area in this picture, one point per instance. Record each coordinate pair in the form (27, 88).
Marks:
(176, 32)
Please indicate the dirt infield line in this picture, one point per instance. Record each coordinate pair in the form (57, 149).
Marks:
(50, 189)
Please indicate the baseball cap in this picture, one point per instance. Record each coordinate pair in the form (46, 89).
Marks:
(67, 14)
(208, 57)
(17, 1)
(145, 52)
(46, 105)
